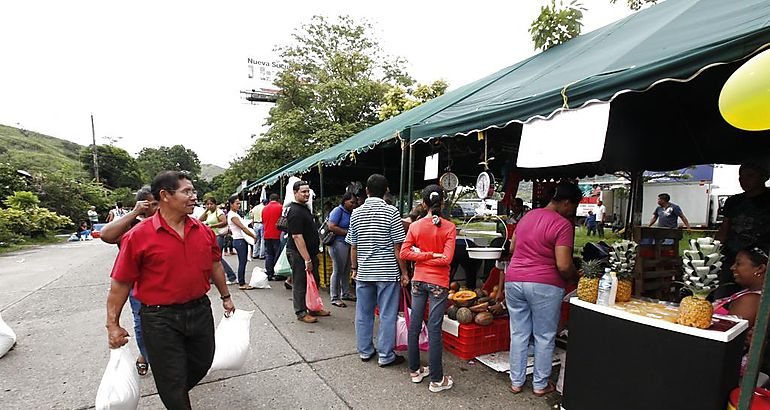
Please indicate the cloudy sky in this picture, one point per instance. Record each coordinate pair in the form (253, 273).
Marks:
(163, 73)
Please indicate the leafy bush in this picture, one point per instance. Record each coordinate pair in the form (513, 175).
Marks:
(24, 217)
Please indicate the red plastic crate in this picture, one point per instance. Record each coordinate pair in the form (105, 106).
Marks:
(474, 340)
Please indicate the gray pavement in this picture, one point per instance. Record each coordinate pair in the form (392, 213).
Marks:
(54, 298)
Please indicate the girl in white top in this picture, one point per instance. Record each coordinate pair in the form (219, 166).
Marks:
(237, 230)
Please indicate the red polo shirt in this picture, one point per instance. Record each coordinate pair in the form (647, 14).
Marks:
(270, 215)
(165, 268)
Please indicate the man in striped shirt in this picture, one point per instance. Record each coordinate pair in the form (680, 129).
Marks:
(375, 236)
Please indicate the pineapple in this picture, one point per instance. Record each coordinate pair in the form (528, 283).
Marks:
(695, 310)
(622, 261)
(625, 282)
(588, 286)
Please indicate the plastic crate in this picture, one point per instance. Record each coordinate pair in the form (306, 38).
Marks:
(474, 340)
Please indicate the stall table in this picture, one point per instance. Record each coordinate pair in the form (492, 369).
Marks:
(634, 356)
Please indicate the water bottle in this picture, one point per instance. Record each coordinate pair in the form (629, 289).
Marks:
(605, 290)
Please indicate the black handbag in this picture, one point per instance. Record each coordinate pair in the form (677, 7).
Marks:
(283, 221)
(326, 234)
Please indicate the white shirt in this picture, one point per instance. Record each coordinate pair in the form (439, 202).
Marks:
(235, 230)
(600, 211)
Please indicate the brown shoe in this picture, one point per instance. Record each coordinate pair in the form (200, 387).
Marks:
(307, 319)
(321, 312)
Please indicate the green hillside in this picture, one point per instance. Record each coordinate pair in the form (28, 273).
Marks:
(38, 153)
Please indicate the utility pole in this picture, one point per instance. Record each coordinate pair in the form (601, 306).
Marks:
(96, 156)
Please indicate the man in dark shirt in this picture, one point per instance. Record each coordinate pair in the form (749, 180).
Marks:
(170, 258)
(302, 251)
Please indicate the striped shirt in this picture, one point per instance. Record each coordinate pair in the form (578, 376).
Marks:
(375, 227)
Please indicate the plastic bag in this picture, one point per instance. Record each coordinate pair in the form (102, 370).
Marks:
(259, 278)
(119, 388)
(402, 329)
(7, 338)
(231, 339)
(312, 297)
(282, 266)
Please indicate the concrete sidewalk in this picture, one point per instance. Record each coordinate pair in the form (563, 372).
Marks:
(54, 298)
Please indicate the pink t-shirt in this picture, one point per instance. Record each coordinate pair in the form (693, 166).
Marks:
(534, 257)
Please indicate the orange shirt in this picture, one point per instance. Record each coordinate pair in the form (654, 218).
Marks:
(428, 239)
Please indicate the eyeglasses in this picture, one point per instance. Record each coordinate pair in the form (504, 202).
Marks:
(190, 193)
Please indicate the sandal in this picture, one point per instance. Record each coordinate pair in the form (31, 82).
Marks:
(141, 368)
(419, 374)
(517, 390)
(550, 388)
(339, 304)
(246, 287)
(445, 384)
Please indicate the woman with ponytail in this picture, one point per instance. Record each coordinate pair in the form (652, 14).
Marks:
(430, 243)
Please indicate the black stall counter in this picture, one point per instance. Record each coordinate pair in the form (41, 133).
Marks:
(634, 356)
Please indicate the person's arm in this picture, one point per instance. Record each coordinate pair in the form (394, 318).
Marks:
(512, 246)
(110, 215)
(723, 230)
(116, 298)
(653, 220)
(113, 231)
(353, 261)
(407, 253)
(222, 221)
(218, 276)
(334, 219)
(401, 265)
(237, 222)
(564, 262)
(299, 240)
(684, 219)
(449, 251)
(746, 307)
(204, 216)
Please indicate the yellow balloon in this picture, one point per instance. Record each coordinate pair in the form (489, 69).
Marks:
(745, 98)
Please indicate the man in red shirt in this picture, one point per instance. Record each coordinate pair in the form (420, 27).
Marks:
(272, 235)
(170, 258)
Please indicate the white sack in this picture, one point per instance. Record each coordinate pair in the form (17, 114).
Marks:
(232, 341)
(259, 278)
(119, 389)
(7, 338)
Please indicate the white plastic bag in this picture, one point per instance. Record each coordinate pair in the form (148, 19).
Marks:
(119, 388)
(259, 278)
(7, 338)
(232, 341)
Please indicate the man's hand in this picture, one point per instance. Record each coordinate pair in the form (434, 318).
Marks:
(229, 306)
(404, 280)
(141, 207)
(439, 256)
(116, 336)
(353, 273)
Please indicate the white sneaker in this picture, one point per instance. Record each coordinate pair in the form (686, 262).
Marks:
(227, 282)
(421, 373)
(445, 384)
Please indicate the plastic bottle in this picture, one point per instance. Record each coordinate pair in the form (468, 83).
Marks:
(605, 290)
(614, 292)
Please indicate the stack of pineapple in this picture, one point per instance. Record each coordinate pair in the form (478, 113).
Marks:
(622, 261)
(702, 263)
(588, 286)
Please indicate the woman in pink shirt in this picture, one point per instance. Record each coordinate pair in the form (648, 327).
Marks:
(430, 242)
(534, 284)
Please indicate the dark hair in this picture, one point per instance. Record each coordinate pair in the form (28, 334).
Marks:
(299, 184)
(347, 196)
(211, 199)
(167, 181)
(144, 193)
(119, 204)
(519, 201)
(567, 191)
(664, 196)
(758, 166)
(433, 197)
(232, 199)
(417, 212)
(264, 201)
(274, 197)
(377, 185)
(757, 254)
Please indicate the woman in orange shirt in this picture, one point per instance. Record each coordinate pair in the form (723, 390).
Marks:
(430, 243)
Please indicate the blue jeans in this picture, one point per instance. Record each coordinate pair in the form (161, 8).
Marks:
(228, 270)
(242, 248)
(259, 243)
(534, 311)
(272, 249)
(385, 295)
(421, 293)
(136, 305)
(340, 282)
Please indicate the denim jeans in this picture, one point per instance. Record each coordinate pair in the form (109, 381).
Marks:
(340, 282)
(272, 251)
(386, 296)
(242, 248)
(180, 339)
(136, 305)
(422, 293)
(228, 270)
(259, 243)
(534, 311)
(299, 280)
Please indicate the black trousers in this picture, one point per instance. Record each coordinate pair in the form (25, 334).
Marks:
(299, 280)
(180, 339)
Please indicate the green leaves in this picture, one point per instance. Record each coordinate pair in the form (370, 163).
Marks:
(116, 167)
(557, 24)
(152, 161)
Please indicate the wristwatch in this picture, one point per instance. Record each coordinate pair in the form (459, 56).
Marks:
(225, 297)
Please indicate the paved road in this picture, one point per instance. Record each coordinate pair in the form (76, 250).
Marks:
(54, 298)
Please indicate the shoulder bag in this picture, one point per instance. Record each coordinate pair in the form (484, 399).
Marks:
(283, 221)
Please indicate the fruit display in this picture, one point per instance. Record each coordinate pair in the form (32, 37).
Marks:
(452, 312)
(464, 298)
(484, 319)
(622, 261)
(702, 263)
(464, 315)
(588, 286)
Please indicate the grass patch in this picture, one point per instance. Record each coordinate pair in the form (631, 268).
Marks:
(31, 242)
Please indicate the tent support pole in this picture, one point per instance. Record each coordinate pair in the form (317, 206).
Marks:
(756, 348)
(403, 175)
(323, 201)
(410, 185)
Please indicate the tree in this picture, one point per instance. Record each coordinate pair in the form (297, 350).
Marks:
(116, 167)
(399, 99)
(10, 180)
(557, 24)
(177, 158)
(70, 197)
